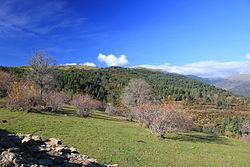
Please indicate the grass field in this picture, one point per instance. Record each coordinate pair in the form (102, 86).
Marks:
(114, 140)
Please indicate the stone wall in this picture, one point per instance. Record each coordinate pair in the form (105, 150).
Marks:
(20, 150)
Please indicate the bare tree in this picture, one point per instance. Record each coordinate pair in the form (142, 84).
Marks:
(55, 100)
(40, 73)
(145, 113)
(245, 127)
(84, 104)
(162, 118)
(138, 91)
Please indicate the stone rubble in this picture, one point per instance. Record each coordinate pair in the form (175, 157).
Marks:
(18, 150)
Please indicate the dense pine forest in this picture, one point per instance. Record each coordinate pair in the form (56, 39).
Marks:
(105, 84)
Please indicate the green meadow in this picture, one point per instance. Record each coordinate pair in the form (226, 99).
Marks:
(113, 140)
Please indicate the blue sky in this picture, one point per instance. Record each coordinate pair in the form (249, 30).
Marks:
(208, 38)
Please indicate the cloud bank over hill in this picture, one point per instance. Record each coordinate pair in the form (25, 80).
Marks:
(207, 69)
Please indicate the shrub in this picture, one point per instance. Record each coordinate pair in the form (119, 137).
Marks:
(5, 80)
(22, 95)
(245, 137)
(25, 96)
(232, 126)
(245, 129)
(84, 104)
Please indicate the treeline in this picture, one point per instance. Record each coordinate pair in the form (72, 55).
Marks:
(16, 71)
(105, 84)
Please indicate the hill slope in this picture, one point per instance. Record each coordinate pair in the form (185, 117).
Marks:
(113, 140)
(106, 84)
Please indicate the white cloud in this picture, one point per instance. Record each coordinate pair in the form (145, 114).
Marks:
(84, 64)
(247, 56)
(207, 69)
(89, 64)
(69, 64)
(112, 60)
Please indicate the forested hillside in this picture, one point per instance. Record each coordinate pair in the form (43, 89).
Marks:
(105, 84)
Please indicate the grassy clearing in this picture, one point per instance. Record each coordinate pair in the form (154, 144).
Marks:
(114, 140)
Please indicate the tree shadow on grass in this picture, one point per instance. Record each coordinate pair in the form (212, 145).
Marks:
(65, 112)
(103, 117)
(195, 137)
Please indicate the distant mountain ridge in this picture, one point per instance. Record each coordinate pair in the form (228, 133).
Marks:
(238, 84)
(239, 77)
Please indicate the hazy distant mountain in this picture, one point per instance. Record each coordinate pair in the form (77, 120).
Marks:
(239, 77)
(237, 84)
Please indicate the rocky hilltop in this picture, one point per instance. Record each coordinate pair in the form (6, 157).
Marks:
(20, 150)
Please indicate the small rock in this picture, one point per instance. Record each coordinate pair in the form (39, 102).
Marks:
(26, 139)
(72, 149)
(54, 153)
(4, 121)
(72, 155)
(60, 148)
(10, 159)
(53, 142)
(38, 138)
(35, 165)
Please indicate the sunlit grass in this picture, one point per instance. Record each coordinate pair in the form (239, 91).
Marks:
(112, 139)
